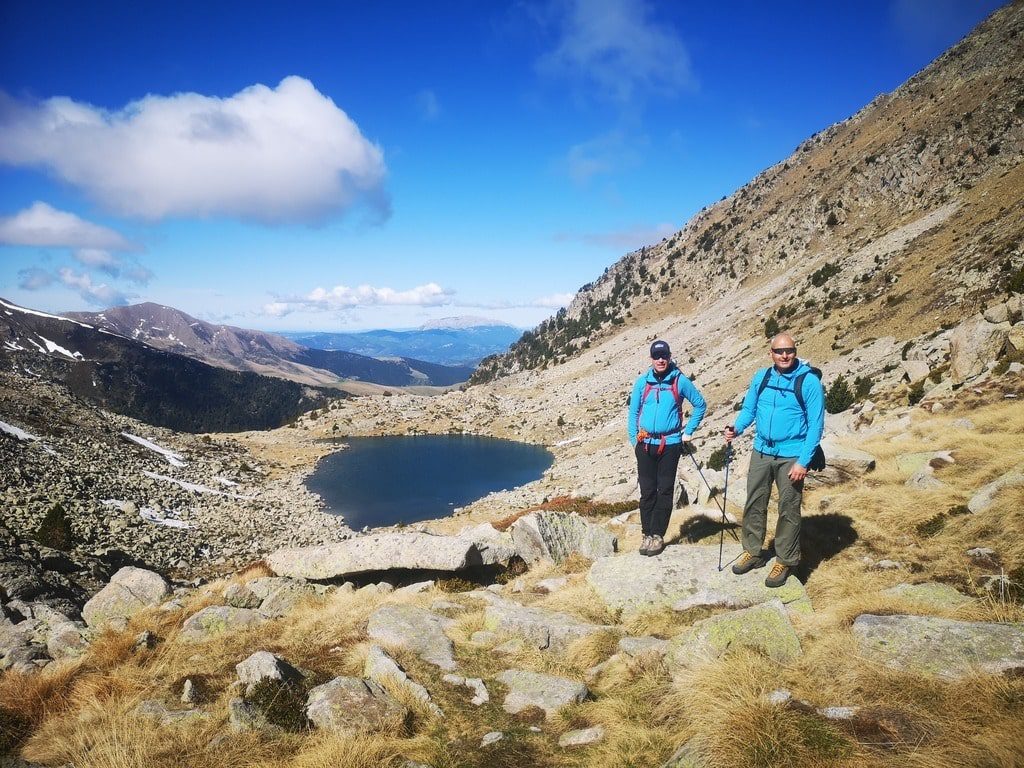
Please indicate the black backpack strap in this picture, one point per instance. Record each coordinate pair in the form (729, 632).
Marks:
(798, 390)
(764, 382)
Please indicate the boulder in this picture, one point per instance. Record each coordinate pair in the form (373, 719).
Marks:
(545, 630)
(129, 591)
(643, 646)
(765, 627)
(380, 666)
(1015, 337)
(281, 600)
(376, 552)
(546, 692)
(942, 647)
(349, 705)
(986, 495)
(842, 464)
(930, 593)
(687, 576)
(66, 640)
(416, 629)
(974, 344)
(553, 536)
(493, 545)
(583, 737)
(215, 620)
(915, 370)
(240, 596)
(264, 665)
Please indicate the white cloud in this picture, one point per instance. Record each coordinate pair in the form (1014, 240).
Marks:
(266, 154)
(615, 49)
(113, 265)
(553, 301)
(342, 297)
(101, 295)
(42, 225)
(605, 154)
(429, 106)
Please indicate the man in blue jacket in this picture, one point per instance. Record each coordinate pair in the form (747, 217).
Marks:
(789, 429)
(657, 433)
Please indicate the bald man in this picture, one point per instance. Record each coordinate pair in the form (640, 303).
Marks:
(789, 428)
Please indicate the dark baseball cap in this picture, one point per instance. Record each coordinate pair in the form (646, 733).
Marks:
(659, 349)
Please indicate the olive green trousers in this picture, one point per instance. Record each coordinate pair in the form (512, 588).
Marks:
(764, 472)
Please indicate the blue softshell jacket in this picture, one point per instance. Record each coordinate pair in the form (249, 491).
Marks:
(661, 415)
(783, 428)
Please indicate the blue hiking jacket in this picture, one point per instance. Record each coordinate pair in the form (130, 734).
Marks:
(783, 428)
(660, 414)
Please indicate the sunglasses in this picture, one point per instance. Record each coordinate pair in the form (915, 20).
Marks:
(784, 351)
(662, 356)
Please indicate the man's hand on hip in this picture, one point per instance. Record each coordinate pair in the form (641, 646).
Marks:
(797, 473)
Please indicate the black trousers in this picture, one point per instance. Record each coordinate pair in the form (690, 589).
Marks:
(657, 475)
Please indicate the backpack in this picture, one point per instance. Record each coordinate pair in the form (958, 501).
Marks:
(817, 462)
(679, 404)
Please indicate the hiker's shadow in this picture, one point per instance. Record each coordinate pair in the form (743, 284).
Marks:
(821, 538)
(700, 527)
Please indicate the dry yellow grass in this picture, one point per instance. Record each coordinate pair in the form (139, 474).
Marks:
(83, 711)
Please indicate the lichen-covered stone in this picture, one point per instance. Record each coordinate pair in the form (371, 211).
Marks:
(553, 536)
(216, 620)
(942, 647)
(986, 495)
(533, 689)
(417, 629)
(264, 665)
(380, 667)
(349, 705)
(930, 593)
(129, 591)
(687, 576)
(546, 630)
(766, 628)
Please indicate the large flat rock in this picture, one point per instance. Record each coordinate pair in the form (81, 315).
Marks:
(546, 630)
(376, 552)
(687, 576)
(941, 647)
(765, 627)
(350, 705)
(417, 629)
(533, 689)
(554, 536)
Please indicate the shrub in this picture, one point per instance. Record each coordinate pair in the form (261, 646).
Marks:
(716, 460)
(862, 386)
(839, 396)
(283, 704)
(771, 327)
(821, 276)
(55, 530)
(916, 392)
(1015, 284)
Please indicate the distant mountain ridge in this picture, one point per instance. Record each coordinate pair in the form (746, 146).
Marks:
(451, 341)
(134, 379)
(270, 354)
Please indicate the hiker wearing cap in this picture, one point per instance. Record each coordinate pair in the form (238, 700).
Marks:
(789, 427)
(657, 433)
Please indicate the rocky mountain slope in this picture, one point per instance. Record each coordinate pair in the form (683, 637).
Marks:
(129, 377)
(269, 354)
(901, 220)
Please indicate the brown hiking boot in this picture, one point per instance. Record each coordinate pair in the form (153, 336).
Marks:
(657, 546)
(747, 562)
(778, 575)
(645, 546)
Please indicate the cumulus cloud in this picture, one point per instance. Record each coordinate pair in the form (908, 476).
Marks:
(284, 154)
(341, 297)
(43, 225)
(624, 239)
(113, 265)
(101, 295)
(615, 49)
(34, 278)
(429, 106)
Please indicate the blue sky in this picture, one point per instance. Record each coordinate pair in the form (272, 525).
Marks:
(365, 165)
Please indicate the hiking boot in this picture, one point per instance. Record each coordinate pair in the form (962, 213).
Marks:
(778, 575)
(747, 562)
(645, 546)
(657, 546)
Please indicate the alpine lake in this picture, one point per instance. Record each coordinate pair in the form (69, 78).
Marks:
(382, 481)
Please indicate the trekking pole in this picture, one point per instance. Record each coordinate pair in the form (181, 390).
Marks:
(725, 502)
(710, 493)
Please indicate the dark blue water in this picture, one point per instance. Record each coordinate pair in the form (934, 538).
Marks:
(381, 481)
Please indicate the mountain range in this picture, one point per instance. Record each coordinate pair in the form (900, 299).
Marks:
(269, 354)
(451, 341)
